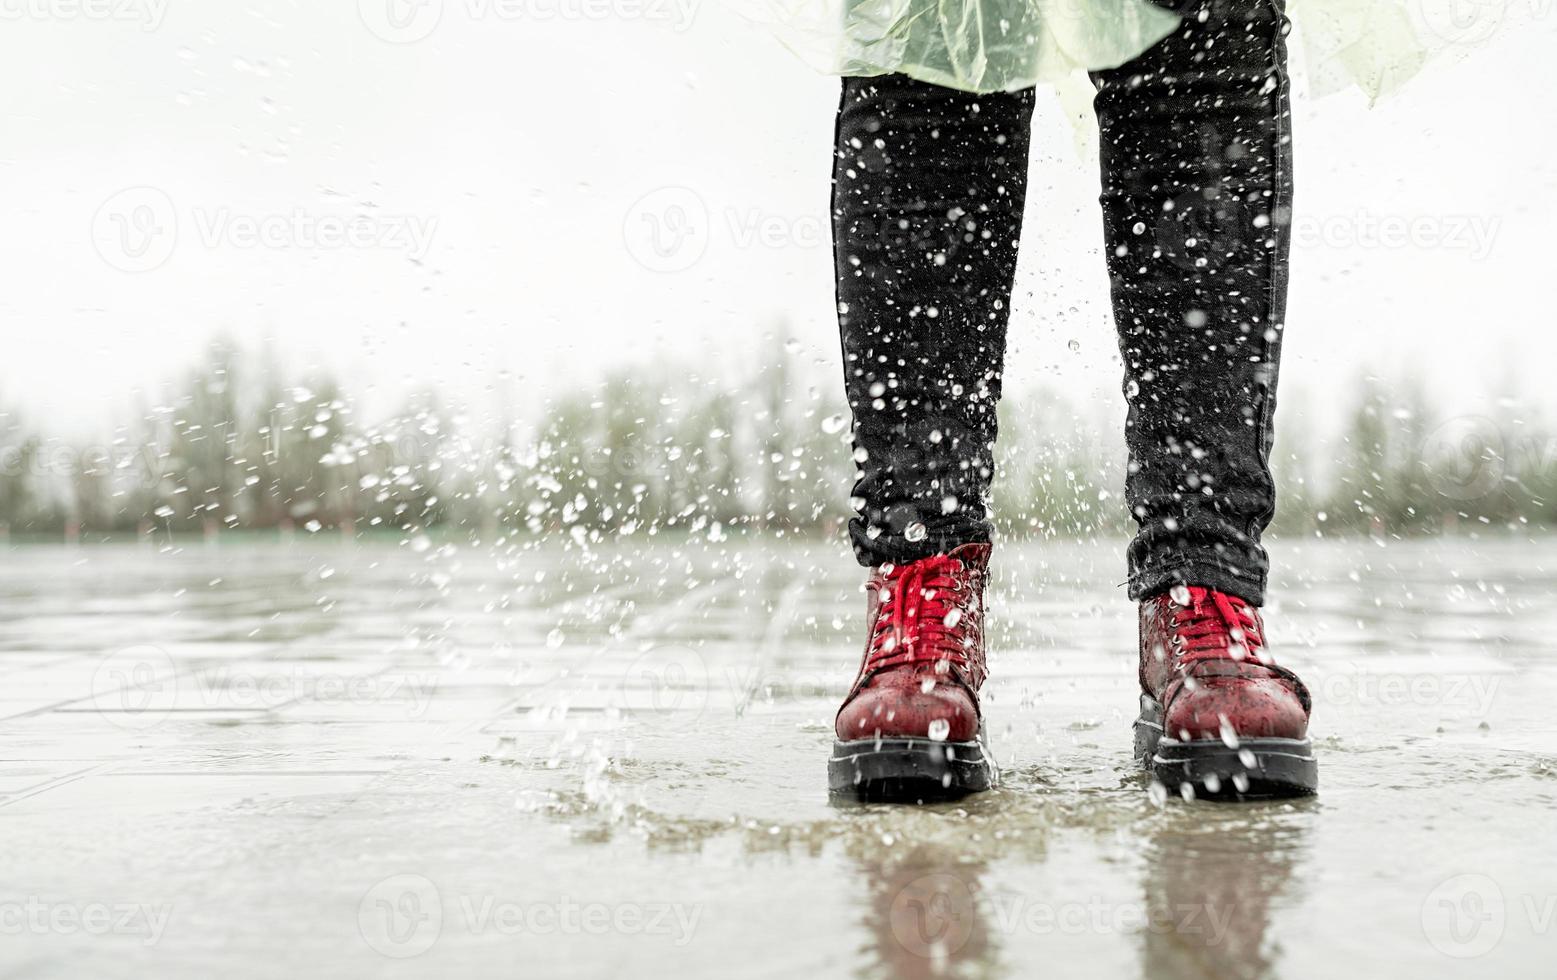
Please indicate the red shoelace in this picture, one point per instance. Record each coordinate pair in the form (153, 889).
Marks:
(928, 615)
(1213, 625)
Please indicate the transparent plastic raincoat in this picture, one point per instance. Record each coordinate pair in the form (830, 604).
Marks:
(1004, 45)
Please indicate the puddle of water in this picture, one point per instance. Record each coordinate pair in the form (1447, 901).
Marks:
(572, 765)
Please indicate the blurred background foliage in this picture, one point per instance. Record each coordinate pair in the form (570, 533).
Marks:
(683, 448)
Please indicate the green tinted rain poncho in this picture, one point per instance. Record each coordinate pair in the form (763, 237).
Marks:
(1003, 45)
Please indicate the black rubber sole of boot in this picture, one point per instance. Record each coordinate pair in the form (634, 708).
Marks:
(908, 770)
(1258, 769)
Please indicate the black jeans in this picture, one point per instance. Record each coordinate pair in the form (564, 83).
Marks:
(928, 192)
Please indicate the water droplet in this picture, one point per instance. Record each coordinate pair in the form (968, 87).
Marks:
(1179, 594)
(1229, 734)
(916, 532)
(554, 639)
(939, 729)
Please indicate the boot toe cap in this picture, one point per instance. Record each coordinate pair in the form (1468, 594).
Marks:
(901, 711)
(1240, 707)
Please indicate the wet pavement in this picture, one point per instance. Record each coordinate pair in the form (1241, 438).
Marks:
(252, 759)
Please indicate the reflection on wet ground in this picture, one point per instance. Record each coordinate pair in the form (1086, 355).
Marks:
(381, 760)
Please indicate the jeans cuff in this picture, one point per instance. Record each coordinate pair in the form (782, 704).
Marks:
(897, 549)
(1247, 584)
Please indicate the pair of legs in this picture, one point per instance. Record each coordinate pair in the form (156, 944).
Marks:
(929, 187)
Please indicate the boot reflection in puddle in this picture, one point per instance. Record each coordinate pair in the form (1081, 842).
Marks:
(1211, 884)
(923, 914)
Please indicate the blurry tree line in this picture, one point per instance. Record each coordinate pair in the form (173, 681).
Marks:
(667, 449)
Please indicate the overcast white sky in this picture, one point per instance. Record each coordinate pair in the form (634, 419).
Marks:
(513, 167)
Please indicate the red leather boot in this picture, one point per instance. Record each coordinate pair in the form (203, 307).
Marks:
(1217, 715)
(910, 729)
